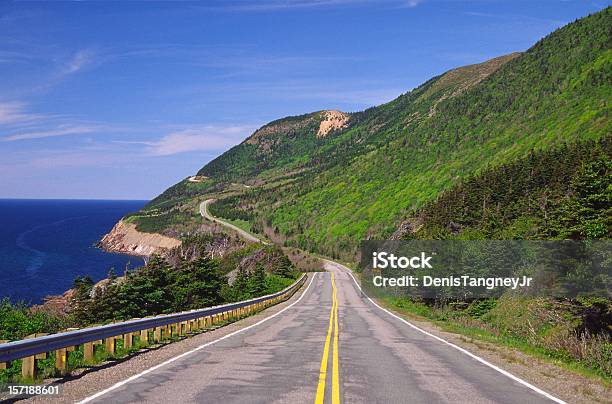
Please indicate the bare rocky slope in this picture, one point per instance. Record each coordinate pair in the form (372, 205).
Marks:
(124, 238)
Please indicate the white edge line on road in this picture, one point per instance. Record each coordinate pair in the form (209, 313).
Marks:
(153, 368)
(465, 351)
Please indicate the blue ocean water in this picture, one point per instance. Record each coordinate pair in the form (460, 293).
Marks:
(45, 244)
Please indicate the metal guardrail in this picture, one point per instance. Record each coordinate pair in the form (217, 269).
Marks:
(33, 348)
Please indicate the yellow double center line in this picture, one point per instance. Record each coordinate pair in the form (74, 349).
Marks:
(333, 327)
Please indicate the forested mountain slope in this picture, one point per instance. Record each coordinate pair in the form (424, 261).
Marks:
(376, 167)
(558, 193)
(284, 144)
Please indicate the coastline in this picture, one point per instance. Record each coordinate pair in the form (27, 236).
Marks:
(124, 238)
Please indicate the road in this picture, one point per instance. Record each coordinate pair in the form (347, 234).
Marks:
(245, 234)
(333, 344)
(380, 360)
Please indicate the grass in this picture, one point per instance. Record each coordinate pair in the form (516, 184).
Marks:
(241, 224)
(422, 312)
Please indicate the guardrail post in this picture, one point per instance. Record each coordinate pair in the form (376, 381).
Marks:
(127, 340)
(144, 337)
(157, 334)
(187, 327)
(28, 365)
(109, 345)
(88, 351)
(61, 359)
(3, 365)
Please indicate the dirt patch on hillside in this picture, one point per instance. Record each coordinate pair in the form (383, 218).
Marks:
(334, 120)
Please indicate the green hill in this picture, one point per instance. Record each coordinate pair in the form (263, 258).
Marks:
(558, 193)
(372, 169)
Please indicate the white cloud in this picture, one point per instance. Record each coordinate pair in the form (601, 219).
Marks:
(413, 3)
(18, 122)
(79, 60)
(15, 112)
(205, 138)
(61, 130)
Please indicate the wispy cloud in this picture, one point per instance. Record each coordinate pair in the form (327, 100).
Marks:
(15, 112)
(61, 130)
(478, 14)
(359, 93)
(78, 61)
(226, 57)
(280, 5)
(13, 56)
(18, 122)
(203, 139)
(412, 3)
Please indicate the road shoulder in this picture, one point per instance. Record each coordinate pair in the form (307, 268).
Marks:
(86, 382)
(562, 383)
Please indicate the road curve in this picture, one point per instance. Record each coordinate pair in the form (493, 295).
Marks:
(243, 233)
(378, 358)
(380, 361)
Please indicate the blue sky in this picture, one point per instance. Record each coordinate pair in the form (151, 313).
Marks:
(119, 100)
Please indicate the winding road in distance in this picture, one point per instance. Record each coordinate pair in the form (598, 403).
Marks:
(372, 356)
(245, 234)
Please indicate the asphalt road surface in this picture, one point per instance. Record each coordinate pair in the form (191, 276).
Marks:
(205, 214)
(372, 357)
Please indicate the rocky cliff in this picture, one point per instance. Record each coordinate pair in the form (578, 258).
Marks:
(124, 238)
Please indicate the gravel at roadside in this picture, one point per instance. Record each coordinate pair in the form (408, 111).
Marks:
(83, 383)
